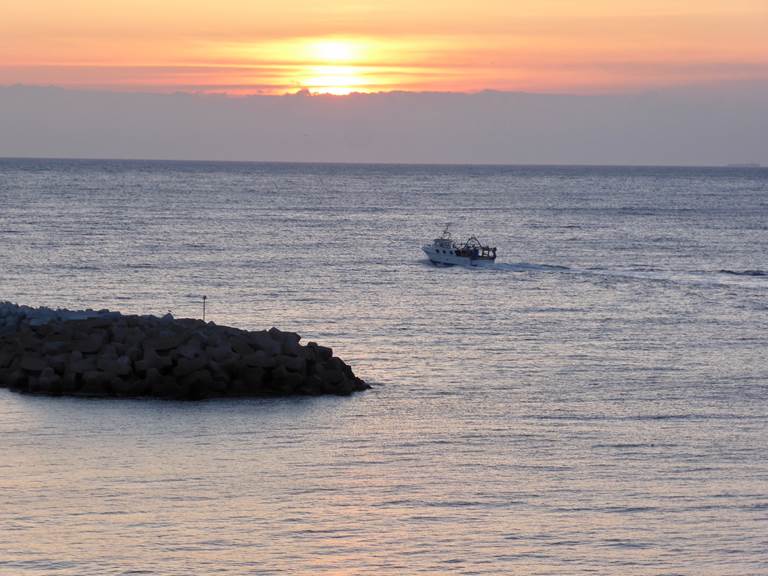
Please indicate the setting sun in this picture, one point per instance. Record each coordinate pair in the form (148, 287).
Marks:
(338, 71)
(335, 50)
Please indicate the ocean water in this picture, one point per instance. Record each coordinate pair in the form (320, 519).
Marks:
(595, 403)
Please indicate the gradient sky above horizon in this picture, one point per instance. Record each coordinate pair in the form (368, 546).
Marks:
(250, 46)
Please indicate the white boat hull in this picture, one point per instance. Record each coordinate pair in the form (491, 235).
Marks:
(444, 258)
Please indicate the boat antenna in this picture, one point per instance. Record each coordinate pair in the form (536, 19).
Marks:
(446, 232)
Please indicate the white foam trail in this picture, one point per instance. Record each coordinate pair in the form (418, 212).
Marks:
(527, 267)
(747, 278)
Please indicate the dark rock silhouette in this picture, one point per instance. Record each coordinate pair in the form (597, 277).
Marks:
(116, 355)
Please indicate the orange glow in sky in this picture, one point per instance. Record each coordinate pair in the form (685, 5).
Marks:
(253, 46)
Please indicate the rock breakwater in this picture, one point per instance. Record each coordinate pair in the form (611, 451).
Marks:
(110, 354)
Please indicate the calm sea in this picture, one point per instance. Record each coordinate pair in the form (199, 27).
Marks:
(595, 403)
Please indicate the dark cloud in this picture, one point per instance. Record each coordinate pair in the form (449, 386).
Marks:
(703, 125)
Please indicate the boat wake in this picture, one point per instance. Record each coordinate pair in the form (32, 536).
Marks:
(745, 272)
(527, 267)
(504, 266)
(712, 278)
(753, 278)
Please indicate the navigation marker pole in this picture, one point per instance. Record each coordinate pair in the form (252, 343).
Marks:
(204, 299)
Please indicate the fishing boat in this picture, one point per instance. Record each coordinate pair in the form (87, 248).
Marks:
(444, 251)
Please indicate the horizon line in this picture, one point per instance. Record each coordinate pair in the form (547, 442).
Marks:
(734, 166)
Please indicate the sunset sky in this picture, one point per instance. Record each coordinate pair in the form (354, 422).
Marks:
(251, 46)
